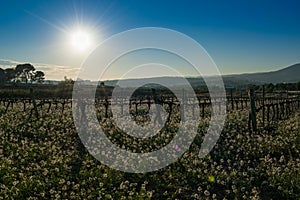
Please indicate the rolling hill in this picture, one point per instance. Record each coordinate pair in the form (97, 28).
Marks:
(289, 74)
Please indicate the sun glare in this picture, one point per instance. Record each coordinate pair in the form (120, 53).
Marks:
(80, 40)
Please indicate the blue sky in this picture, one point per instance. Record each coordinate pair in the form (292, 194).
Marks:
(240, 36)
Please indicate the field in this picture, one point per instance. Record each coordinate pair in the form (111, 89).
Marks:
(42, 157)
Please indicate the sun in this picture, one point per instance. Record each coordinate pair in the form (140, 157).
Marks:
(80, 40)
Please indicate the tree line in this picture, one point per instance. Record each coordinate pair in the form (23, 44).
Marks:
(22, 73)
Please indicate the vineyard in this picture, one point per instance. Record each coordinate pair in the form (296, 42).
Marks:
(256, 156)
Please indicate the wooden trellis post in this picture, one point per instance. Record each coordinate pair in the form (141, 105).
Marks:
(136, 105)
(157, 100)
(34, 103)
(122, 105)
(183, 105)
(263, 106)
(231, 96)
(253, 110)
(106, 102)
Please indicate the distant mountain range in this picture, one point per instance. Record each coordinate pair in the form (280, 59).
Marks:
(289, 74)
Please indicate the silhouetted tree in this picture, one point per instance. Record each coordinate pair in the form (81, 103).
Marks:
(68, 80)
(25, 72)
(2, 76)
(38, 76)
(10, 74)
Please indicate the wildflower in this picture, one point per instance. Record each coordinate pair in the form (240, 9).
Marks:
(149, 194)
(206, 192)
(199, 189)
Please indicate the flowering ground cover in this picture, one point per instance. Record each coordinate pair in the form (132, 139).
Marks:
(44, 158)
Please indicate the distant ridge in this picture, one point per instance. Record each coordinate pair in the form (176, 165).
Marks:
(289, 74)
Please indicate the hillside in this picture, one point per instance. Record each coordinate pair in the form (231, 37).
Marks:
(289, 74)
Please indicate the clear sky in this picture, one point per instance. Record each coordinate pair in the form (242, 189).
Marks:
(241, 36)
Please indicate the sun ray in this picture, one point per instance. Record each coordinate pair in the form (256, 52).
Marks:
(46, 21)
